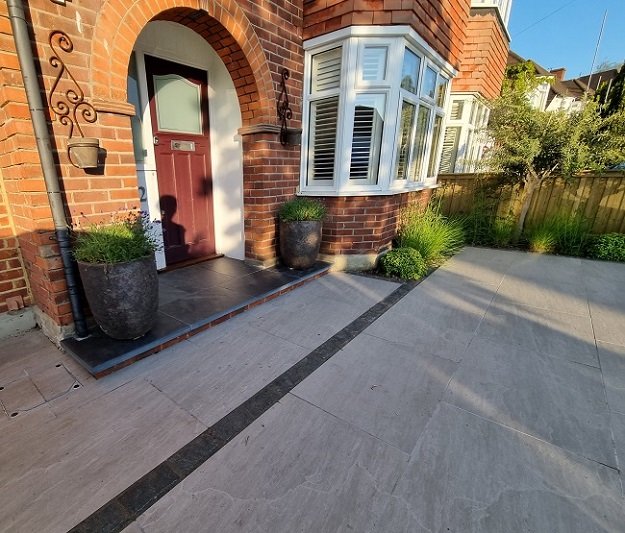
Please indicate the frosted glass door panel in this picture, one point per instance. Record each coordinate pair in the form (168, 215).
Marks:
(178, 105)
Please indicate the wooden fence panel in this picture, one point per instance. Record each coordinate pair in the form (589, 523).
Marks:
(599, 198)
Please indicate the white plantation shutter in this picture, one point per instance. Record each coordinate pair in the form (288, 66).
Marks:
(324, 114)
(326, 70)
(367, 138)
(450, 150)
(457, 107)
(323, 127)
(374, 63)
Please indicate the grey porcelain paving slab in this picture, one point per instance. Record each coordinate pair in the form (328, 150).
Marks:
(608, 319)
(560, 402)
(308, 321)
(435, 320)
(211, 381)
(567, 270)
(358, 290)
(551, 332)
(618, 427)
(546, 293)
(612, 357)
(484, 265)
(386, 389)
(61, 472)
(20, 395)
(296, 468)
(468, 474)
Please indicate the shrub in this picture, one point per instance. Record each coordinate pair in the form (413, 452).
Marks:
(609, 247)
(125, 238)
(301, 208)
(430, 233)
(404, 263)
(563, 234)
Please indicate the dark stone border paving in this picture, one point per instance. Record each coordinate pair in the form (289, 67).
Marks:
(126, 507)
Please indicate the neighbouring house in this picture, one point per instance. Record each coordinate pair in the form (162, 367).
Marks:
(183, 96)
(480, 73)
(553, 92)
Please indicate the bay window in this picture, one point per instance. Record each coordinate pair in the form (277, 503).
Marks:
(374, 112)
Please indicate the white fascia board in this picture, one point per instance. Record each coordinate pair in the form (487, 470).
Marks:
(385, 31)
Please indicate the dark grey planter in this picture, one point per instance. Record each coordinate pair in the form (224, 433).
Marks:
(299, 243)
(123, 297)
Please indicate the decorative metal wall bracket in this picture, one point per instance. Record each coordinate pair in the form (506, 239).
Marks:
(67, 100)
(284, 111)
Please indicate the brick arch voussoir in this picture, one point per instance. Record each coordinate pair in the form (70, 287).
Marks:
(119, 25)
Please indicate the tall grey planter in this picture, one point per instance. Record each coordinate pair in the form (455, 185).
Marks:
(123, 297)
(299, 243)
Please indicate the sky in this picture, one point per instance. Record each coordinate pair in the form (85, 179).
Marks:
(564, 33)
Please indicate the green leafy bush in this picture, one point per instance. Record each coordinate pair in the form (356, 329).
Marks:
(563, 234)
(430, 233)
(609, 247)
(405, 263)
(125, 238)
(301, 208)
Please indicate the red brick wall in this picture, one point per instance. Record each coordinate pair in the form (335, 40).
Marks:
(13, 280)
(255, 41)
(270, 176)
(442, 23)
(484, 56)
(364, 224)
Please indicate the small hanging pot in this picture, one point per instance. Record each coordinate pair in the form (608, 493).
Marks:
(83, 152)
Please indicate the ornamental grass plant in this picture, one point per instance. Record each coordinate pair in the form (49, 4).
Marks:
(431, 234)
(560, 233)
(126, 237)
(301, 208)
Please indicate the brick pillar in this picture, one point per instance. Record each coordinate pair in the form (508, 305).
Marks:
(270, 176)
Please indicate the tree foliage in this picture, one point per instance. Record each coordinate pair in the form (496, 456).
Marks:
(611, 96)
(532, 145)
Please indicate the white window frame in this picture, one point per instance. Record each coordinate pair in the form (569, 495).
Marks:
(353, 41)
(472, 137)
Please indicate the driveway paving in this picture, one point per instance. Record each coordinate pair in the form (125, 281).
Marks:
(488, 398)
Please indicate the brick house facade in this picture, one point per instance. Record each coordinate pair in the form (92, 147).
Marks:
(107, 54)
(482, 66)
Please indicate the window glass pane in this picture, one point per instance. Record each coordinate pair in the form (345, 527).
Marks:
(436, 137)
(177, 104)
(135, 120)
(410, 71)
(367, 139)
(404, 140)
(323, 127)
(423, 120)
(429, 83)
(441, 91)
(374, 63)
(450, 150)
(326, 70)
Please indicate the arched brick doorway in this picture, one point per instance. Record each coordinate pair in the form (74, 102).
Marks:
(269, 175)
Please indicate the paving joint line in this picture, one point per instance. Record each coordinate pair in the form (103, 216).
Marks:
(124, 509)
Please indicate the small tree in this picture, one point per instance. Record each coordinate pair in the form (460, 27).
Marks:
(531, 145)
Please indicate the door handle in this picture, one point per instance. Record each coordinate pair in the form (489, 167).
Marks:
(155, 139)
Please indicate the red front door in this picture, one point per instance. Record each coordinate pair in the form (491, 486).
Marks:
(179, 108)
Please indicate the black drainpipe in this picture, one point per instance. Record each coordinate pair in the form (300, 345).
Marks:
(55, 197)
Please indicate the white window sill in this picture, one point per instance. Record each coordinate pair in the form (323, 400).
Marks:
(309, 191)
